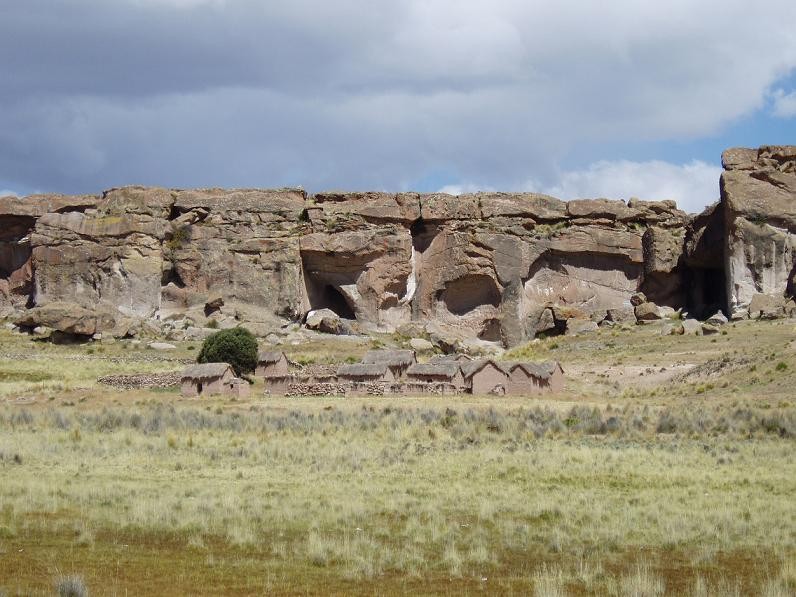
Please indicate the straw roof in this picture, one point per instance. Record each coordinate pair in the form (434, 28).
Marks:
(393, 358)
(362, 370)
(206, 371)
(473, 367)
(446, 370)
(538, 370)
(269, 357)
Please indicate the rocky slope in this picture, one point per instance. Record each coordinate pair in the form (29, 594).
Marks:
(496, 266)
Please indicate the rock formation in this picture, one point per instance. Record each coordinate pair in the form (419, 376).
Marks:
(495, 266)
(758, 193)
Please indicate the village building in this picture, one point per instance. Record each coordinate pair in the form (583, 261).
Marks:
(526, 378)
(278, 384)
(555, 374)
(210, 379)
(365, 373)
(485, 377)
(271, 364)
(397, 360)
(449, 373)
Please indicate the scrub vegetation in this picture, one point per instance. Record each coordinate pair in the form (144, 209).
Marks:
(623, 485)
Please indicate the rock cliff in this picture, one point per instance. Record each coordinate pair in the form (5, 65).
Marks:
(758, 192)
(495, 266)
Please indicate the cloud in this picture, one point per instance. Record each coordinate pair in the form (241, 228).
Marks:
(7, 193)
(355, 94)
(784, 104)
(462, 188)
(692, 185)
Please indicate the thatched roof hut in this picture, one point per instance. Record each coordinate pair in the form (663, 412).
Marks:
(206, 371)
(271, 364)
(442, 370)
(397, 360)
(485, 376)
(208, 379)
(365, 372)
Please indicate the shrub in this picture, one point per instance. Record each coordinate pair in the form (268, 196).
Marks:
(71, 586)
(237, 346)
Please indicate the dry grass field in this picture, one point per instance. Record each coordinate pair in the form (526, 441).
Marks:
(665, 468)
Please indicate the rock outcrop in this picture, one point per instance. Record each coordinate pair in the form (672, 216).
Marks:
(758, 193)
(495, 267)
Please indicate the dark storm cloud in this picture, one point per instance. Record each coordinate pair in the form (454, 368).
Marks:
(364, 94)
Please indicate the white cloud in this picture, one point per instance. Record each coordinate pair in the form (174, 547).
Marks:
(784, 104)
(693, 185)
(462, 188)
(7, 193)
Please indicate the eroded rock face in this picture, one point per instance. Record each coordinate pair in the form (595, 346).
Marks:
(758, 191)
(497, 267)
(488, 266)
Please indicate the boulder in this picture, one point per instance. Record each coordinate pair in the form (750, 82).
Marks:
(692, 327)
(213, 304)
(646, 312)
(637, 298)
(545, 322)
(766, 306)
(717, 318)
(421, 345)
(328, 322)
(709, 330)
(621, 315)
(67, 318)
(576, 327)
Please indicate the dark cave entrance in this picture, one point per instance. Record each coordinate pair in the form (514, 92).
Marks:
(330, 297)
(707, 291)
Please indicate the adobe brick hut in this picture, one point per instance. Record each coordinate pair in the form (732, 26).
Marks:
(526, 378)
(278, 384)
(397, 360)
(271, 364)
(555, 374)
(448, 372)
(485, 377)
(208, 379)
(365, 373)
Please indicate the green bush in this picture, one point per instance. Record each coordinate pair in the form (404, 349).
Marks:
(237, 346)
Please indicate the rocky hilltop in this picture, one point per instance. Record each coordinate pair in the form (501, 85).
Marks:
(501, 267)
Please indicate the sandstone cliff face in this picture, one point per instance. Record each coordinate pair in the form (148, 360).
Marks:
(484, 265)
(496, 266)
(758, 192)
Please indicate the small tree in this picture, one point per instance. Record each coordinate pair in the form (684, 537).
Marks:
(237, 346)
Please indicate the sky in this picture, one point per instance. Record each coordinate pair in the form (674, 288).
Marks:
(573, 98)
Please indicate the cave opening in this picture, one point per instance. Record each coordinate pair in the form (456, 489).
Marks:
(331, 298)
(707, 291)
(463, 295)
(171, 276)
(423, 234)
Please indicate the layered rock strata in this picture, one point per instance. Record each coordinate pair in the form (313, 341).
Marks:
(495, 266)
